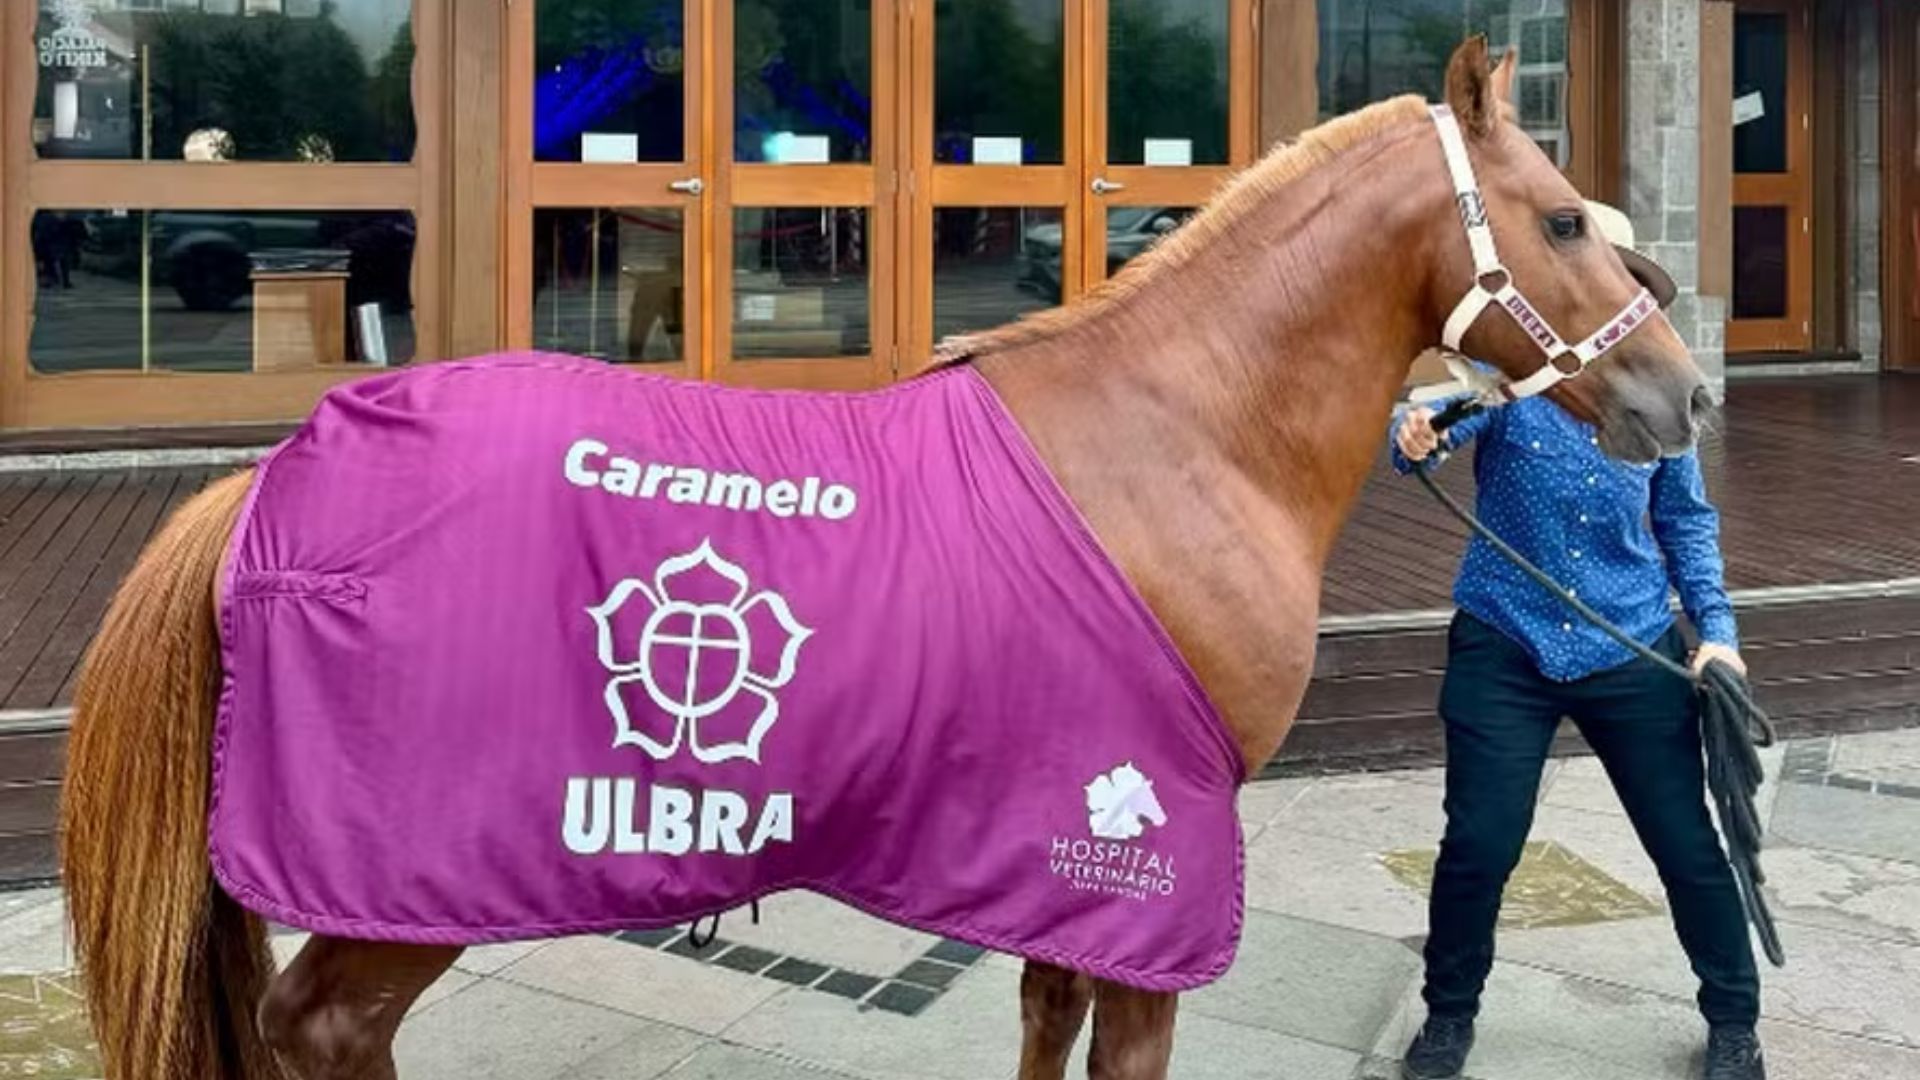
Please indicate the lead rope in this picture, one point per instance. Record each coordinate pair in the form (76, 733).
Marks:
(1732, 725)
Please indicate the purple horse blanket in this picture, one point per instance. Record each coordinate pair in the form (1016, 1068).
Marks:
(532, 646)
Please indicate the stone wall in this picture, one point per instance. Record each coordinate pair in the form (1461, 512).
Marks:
(1663, 164)
(1863, 226)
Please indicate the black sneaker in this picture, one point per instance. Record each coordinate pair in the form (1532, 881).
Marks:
(1439, 1052)
(1733, 1053)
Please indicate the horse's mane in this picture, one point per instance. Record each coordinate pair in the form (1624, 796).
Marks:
(1241, 197)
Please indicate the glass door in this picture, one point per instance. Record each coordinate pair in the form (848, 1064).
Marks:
(806, 118)
(1173, 118)
(1903, 207)
(606, 150)
(997, 99)
(1772, 308)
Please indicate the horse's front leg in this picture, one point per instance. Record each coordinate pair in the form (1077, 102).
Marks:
(1132, 1033)
(1053, 1006)
(333, 1013)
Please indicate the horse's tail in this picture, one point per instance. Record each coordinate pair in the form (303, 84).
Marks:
(173, 969)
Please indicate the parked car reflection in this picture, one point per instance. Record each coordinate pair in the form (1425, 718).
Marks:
(1130, 231)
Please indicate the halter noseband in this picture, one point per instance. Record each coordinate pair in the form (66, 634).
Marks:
(1493, 285)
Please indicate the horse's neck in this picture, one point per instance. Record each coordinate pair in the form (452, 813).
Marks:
(1216, 427)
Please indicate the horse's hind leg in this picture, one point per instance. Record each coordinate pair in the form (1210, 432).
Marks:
(333, 1013)
(1132, 1033)
(1053, 1006)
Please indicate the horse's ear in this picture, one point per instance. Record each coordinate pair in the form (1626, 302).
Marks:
(1503, 77)
(1470, 88)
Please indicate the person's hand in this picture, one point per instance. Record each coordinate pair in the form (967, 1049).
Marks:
(1710, 652)
(1416, 437)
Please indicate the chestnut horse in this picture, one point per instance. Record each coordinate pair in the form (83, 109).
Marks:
(1213, 412)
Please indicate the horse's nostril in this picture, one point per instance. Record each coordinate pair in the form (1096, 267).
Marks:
(1702, 403)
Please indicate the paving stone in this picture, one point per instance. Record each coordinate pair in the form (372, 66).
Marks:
(746, 958)
(43, 1029)
(1582, 784)
(1264, 800)
(19, 900)
(1841, 820)
(1208, 1049)
(956, 952)
(1606, 841)
(848, 984)
(1333, 881)
(970, 1032)
(499, 1031)
(644, 982)
(1536, 1024)
(652, 939)
(903, 998)
(492, 959)
(1550, 886)
(703, 950)
(33, 940)
(1309, 980)
(1847, 984)
(1643, 953)
(797, 972)
(1381, 811)
(442, 990)
(1877, 898)
(1795, 1051)
(930, 973)
(720, 1061)
(813, 927)
(1878, 749)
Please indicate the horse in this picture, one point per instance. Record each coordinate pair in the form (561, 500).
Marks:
(1212, 413)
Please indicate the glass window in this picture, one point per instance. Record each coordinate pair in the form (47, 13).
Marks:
(1759, 92)
(1167, 82)
(1131, 230)
(800, 282)
(1760, 262)
(609, 80)
(803, 81)
(610, 283)
(1371, 50)
(283, 80)
(992, 265)
(220, 290)
(999, 73)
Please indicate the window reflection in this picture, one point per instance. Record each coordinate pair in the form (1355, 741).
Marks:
(1167, 82)
(610, 283)
(800, 282)
(220, 290)
(1371, 50)
(609, 80)
(803, 81)
(999, 72)
(283, 80)
(992, 265)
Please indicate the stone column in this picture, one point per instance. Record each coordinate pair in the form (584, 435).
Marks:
(1663, 164)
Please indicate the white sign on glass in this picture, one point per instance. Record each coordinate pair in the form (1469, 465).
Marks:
(1174, 152)
(757, 308)
(996, 150)
(787, 148)
(1749, 107)
(605, 148)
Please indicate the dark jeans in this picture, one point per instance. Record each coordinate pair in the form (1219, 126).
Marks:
(1500, 715)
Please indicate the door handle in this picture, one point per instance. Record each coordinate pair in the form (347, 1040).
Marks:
(1104, 186)
(688, 187)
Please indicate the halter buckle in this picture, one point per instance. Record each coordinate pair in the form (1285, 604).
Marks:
(1568, 363)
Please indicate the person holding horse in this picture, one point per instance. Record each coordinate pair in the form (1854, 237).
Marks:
(1619, 535)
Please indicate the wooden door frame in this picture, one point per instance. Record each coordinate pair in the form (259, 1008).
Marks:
(533, 186)
(1792, 189)
(931, 185)
(102, 399)
(1900, 203)
(1151, 185)
(870, 185)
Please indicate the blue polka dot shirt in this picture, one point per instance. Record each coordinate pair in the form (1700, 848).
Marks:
(1619, 535)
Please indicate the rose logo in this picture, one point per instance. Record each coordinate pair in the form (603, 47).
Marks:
(695, 658)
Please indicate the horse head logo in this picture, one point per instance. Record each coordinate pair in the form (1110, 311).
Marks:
(1119, 801)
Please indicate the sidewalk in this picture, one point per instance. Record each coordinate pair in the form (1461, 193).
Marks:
(1590, 984)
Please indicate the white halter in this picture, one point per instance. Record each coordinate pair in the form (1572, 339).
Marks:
(1563, 361)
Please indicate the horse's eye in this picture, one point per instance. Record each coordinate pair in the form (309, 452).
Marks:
(1567, 227)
